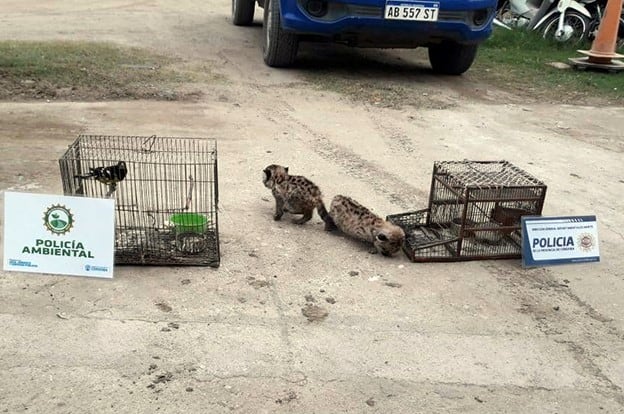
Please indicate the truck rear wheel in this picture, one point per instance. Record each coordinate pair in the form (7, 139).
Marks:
(243, 12)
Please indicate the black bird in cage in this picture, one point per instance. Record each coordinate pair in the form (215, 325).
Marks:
(110, 175)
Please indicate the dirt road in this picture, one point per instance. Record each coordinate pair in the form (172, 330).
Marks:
(470, 337)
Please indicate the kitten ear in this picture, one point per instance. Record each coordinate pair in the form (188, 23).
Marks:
(266, 174)
(382, 237)
(286, 169)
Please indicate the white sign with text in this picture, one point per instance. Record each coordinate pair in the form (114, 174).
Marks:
(559, 240)
(59, 234)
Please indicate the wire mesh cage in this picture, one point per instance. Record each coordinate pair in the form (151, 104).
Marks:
(166, 193)
(474, 212)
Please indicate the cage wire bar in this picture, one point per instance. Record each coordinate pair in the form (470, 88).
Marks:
(166, 206)
(474, 212)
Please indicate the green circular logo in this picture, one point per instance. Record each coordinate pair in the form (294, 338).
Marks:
(58, 219)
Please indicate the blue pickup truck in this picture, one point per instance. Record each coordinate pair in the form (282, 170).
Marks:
(451, 29)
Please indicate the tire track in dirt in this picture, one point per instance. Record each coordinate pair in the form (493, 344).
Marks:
(396, 190)
(572, 322)
(398, 141)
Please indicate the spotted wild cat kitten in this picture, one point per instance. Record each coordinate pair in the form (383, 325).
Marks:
(357, 221)
(294, 194)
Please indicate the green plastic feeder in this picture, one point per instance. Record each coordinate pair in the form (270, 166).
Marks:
(189, 222)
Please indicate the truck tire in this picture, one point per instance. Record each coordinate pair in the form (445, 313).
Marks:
(243, 12)
(450, 58)
(279, 48)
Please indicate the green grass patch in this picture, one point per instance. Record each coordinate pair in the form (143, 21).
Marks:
(87, 70)
(520, 60)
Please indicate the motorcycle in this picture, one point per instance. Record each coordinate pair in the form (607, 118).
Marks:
(596, 9)
(561, 20)
(569, 21)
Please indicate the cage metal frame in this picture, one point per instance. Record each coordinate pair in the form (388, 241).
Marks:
(166, 176)
(473, 212)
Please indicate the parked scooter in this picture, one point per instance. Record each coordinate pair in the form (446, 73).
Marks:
(561, 20)
(596, 9)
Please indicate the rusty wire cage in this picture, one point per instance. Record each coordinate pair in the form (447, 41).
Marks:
(474, 212)
(166, 203)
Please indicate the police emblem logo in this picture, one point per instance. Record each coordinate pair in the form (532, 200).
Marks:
(586, 242)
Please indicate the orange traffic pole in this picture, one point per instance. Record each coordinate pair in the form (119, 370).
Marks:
(602, 53)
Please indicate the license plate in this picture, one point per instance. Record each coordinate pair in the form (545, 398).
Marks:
(423, 12)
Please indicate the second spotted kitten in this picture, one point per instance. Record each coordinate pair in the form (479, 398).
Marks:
(357, 221)
(294, 194)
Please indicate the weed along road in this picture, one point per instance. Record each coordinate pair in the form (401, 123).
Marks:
(296, 319)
